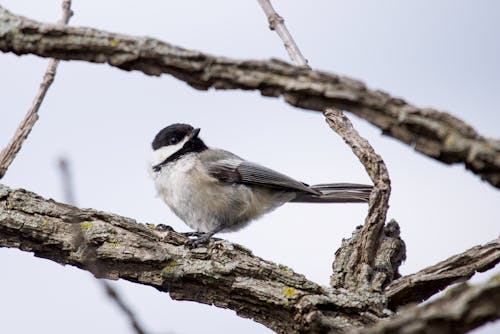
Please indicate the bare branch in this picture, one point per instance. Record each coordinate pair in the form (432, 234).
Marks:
(429, 281)
(354, 268)
(224, 274)
(9, 153)
(277, 23)
(66, 12)
(458, 311)
(355, 260)
(434, 133)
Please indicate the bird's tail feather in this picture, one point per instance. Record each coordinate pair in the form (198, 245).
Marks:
(336, 193)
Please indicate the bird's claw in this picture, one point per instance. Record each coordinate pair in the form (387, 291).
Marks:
(163, 227)
(193, 234)
(201, 238)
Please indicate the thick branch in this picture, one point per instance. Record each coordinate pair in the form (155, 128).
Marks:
(429, 281)
(223, 274)
(436, 134)
(459, 311)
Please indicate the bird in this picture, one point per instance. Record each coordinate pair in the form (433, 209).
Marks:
(213, 190)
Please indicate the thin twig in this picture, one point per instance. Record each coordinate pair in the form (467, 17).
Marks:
(9, 153)
(277, 23)
(90, 260)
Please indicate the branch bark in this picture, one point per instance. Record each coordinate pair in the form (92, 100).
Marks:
(8, 154)
(355, 264)
(223, 274)
(429, 281)
(462, 309)
(436, 134)
(277, 23)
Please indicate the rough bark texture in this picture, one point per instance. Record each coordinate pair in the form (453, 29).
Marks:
(229, 276)
(388, 256)
(360, 263)
(459, 311)
(431, 132)
(223, 274)
(425, 283)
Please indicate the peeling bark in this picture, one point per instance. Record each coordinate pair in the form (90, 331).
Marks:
(429, 281)
(459, 311)
(434, 133)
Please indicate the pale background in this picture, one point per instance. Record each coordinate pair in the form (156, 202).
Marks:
(442, 54)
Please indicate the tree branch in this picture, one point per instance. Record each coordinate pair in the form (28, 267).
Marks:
(8, 154)
(355, 262)
(277, 23)
(429, 281)
(224, 274)
(437, 134)
(459, 311)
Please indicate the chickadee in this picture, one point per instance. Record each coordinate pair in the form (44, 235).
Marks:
(213, 190)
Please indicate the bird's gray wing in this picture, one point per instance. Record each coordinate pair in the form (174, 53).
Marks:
(239, 171)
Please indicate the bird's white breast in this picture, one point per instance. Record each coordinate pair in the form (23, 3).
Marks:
(178, 184)
(172, 181)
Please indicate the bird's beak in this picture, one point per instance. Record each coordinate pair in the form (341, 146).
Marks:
(194, 133)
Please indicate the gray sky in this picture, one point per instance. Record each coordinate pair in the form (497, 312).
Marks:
(439, 54)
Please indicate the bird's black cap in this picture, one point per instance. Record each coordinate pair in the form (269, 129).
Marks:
(171, 135)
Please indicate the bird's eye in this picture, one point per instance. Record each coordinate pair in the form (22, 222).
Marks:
(172, 141)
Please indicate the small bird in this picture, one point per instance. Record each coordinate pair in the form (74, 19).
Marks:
(213, 190)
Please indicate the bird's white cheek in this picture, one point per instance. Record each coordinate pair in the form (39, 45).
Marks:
(164, 152)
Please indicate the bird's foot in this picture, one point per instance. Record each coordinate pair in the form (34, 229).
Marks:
(201, 238)
(163, 227)
(193, 234)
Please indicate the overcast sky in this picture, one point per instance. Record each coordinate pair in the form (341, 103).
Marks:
(441, 54)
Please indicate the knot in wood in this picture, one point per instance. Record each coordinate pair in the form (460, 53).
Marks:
(274, 20)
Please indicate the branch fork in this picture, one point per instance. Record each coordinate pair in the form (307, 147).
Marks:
(365, 279)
